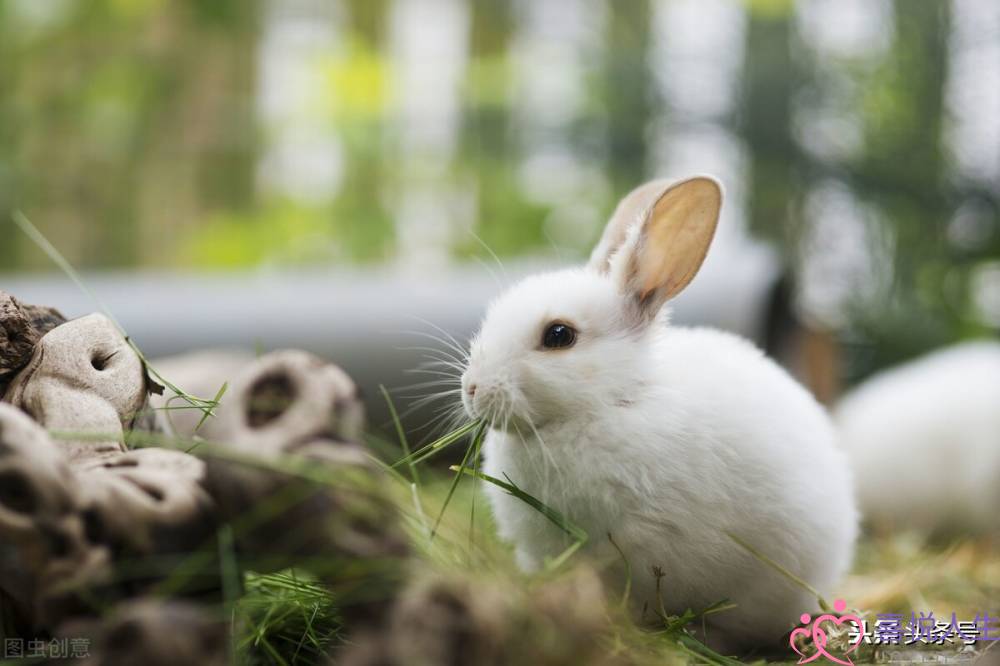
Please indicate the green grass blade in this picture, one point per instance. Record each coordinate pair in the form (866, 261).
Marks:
(473, 445)
(554, 516)
(211, 412)
(477, 442)
(698, 649)
(230, 574)
(401, 434)
(780, 569)
(437, 445)
(628, 571)
(39, 239)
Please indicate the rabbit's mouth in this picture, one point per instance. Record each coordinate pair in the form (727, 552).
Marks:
(484, 408)
(494, 397)
(492, 407)
(502, 415)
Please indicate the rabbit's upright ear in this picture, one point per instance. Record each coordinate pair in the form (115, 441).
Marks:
(662, 252)
(631, 211)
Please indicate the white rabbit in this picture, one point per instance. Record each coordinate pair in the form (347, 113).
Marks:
(669, 439)
(924, 441)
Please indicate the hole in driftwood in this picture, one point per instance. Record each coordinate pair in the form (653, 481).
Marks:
(121, 462)
(270, 396)
(59, 543)
(99, 361)
(17, 493)
(156, 494)
(93, 526)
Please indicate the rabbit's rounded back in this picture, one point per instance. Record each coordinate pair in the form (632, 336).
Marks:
(924, 441)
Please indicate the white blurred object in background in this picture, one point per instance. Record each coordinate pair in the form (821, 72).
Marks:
(924, 441)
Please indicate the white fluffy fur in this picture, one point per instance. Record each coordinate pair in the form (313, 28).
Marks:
(666, 438)
(924, 440)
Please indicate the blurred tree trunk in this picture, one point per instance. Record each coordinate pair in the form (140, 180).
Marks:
(903, 173)
(9, 200)
(903, 163)
(201, 156)
(62, 173)
(769, 77)
(368, 20)
(628, 92)
(487, 123)
(361, 220)
(506, 221)
(126, 119)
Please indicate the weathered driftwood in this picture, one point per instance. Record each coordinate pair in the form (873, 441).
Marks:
(149, 501)
(152, 632)
(45, 545)
(288, 400)
(66, 529)
(201, 373)
(80, 513)
(450, 619)
(21, 326)
(324, 504)
(85, 380)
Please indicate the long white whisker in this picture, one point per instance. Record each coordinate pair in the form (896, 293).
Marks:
(441, 353)
(493, 274)
(449, 342)
(541, 492)
(451, 416)
(440, 360)
(421, 400)
(447, 366)
(430, 371)
(442, 349)
(424, 400)
(555, 247)
(430, 383)
(492, 254)
(549, 462)
(440, 364)
(454, 342)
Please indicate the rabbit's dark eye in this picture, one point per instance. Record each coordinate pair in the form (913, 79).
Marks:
(558, 336)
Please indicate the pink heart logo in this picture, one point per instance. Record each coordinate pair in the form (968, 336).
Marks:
(801, 632)
(820, 638)
(817, 633)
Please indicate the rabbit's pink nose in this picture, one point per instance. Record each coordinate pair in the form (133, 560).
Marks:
(471, 390)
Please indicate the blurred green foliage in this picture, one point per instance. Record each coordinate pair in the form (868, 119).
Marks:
(131, 132)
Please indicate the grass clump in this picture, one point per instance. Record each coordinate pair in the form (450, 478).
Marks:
(285, 618)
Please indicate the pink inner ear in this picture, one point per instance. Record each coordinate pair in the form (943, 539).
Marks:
(678, 233)
(631, 210)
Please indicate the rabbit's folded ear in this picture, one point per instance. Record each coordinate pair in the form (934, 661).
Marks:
(662, 251)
